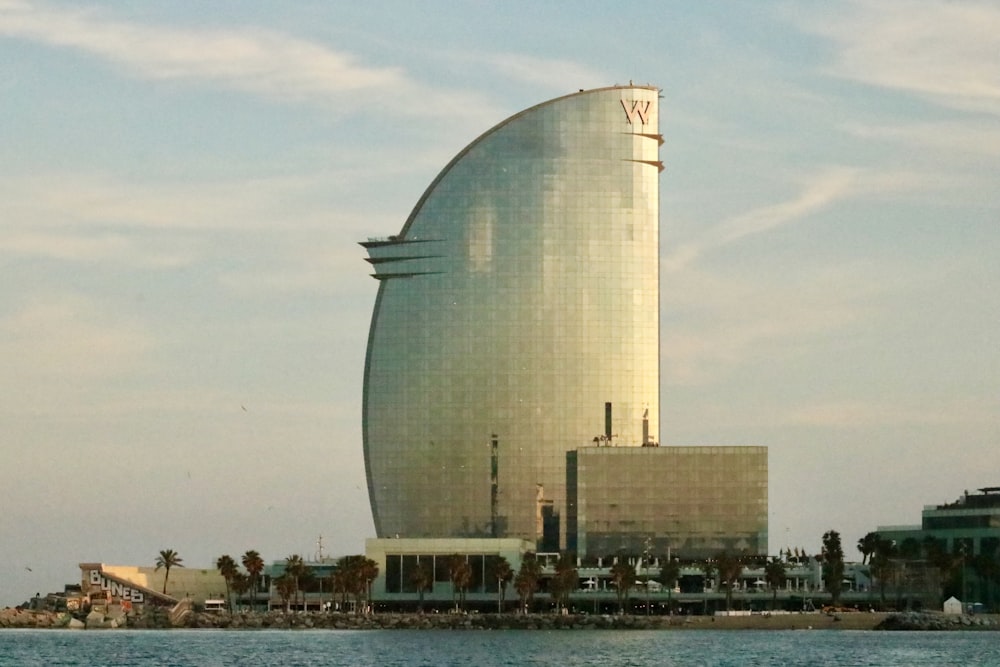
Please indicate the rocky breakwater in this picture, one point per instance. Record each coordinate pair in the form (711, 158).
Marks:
(279, 620)
(28, 618)
(913, 620)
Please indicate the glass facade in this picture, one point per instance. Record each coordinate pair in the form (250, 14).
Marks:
(693, 502)
(398, 559)
(972, 520)
(519, 298)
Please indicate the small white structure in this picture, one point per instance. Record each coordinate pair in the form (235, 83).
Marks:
(953, 606)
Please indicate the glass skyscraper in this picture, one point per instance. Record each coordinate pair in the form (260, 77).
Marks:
(517, 319)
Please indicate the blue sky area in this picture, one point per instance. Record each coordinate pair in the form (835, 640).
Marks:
(184, 306)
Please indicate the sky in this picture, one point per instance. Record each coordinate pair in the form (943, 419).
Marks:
(184, 307)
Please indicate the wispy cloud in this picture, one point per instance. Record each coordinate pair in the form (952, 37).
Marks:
(944, 51)
(967, 141)
(868, 414)
(557, 74)
(64, 199)
(717, 323)
(818, 193)
(105, 223)
(747, 323)
(91, 248)
(252, 60)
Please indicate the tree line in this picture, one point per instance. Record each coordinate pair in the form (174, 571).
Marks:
(352, 576)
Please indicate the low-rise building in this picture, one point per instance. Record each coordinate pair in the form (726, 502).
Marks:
(398, 559)
(130, 585)
(950, 552)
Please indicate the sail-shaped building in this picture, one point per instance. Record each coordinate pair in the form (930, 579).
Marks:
(517, 319)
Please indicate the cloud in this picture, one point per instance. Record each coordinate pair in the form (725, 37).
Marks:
(246, 235)
(718, 322)
(697, 353)
(95, 248)
(945, 52)
(66, 336)
(300, 265)
(818, 193)
(59, 200)
(867, 414)
(969, 139)
(251, 60)
(550, 73)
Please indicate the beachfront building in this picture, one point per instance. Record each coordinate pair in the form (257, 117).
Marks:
(517, 316)
(128, 586)
(970, 525)
(953, 551)
(398, 586)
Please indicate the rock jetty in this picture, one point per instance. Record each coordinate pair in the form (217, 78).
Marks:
(913, 620)
(154, 618)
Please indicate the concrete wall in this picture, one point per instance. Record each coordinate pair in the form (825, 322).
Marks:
(184, 582)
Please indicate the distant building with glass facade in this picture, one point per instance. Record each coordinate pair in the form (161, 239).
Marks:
(517, 318)
(953, 552)
(970, 525)
(690, 502)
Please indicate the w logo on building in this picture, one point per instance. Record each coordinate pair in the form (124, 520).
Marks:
(639, 110)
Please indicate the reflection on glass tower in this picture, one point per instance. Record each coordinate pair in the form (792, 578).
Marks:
(519, 298)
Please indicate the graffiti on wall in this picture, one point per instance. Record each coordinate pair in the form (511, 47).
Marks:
(116, 588)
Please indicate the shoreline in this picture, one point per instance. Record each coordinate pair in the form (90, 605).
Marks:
(279, 620)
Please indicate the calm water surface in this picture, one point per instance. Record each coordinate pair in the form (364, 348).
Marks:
(387, 648)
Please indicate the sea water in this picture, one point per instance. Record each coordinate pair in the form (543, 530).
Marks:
(461, 648)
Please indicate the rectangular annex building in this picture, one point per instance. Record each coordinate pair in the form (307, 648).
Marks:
(690, 502)
(398, 558)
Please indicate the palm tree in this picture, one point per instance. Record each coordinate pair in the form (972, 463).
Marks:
(833, 565)
(228, 570)
(306, 584)
(882, 565)
(670, 572)
(422, 579)
(526, 581)
(708, 569)
(461, 576)
(285, 585)
(623, 577)
(295, 568)
(340, 583)
(367, 573)
(564, 582)
(730, 568)
(987, 570)
(167, 559)
(774, 575)
(254, 565)
(867, 545)
(240, 585)
(503, 574)
(354, 575)
(348, 580)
